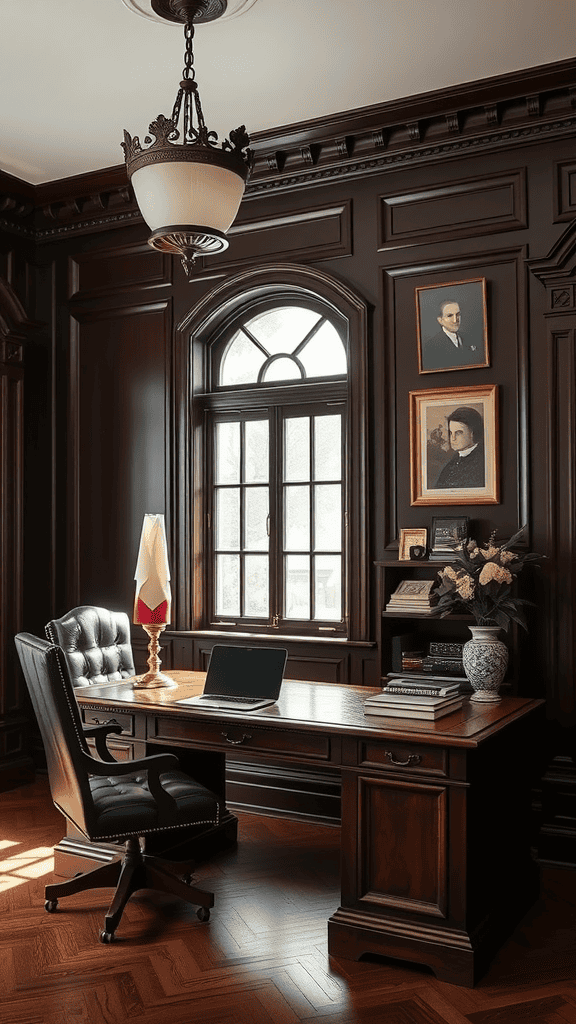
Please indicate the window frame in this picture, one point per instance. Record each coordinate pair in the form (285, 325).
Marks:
(250, 290)
(277, 412)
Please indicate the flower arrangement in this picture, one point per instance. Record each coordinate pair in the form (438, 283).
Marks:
(481, 580)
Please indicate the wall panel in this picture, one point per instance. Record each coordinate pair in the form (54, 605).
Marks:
(118, 432)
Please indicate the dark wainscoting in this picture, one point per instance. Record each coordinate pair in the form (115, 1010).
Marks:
(476, 181)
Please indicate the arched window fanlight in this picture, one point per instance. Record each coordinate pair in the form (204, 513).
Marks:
(290, 343)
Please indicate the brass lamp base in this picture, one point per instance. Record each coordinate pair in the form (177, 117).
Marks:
(153, 679)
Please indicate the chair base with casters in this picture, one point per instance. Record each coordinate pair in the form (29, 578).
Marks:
(113, 801)
(135, 871)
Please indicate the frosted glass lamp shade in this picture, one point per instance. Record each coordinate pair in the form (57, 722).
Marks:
(187, 193)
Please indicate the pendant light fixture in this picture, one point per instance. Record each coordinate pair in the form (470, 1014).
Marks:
(188, 192)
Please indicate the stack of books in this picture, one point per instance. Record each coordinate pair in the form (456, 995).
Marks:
(444, 658)
(413, 596)
(432, 686)
(415, 705)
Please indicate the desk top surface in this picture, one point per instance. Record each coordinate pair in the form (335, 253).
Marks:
(320, 707)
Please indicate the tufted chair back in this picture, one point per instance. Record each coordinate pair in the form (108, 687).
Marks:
(58, 717)
(96, 644)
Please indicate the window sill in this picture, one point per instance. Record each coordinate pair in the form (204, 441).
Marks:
(284, 637)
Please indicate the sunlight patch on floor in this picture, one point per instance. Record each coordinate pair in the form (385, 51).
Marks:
(23, 866)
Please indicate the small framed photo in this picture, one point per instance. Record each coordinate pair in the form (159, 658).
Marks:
(451, 324)
(447, 533)
(454, 446)
(410, 539)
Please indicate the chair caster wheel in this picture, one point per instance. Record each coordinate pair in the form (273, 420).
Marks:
(106, 937)
(51, 906)
(203, 914)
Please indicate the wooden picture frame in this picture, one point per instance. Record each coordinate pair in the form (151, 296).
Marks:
(439, 474)
(408, 539)
(458, 308)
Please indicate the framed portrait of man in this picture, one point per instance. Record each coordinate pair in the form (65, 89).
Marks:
(451, 324)
(454, 457)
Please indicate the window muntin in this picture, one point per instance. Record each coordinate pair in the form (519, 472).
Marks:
(282, 344)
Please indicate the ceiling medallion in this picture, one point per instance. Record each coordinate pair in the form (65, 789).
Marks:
(188, 192)
(160, 10)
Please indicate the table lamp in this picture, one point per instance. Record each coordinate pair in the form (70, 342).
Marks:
(153, 597)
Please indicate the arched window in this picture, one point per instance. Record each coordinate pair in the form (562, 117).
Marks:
(276, 461)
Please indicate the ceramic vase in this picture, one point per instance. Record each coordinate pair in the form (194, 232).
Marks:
(485, 660)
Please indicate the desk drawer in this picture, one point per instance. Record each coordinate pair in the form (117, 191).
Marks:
(403, 756)
(127, 721)
(302, 745)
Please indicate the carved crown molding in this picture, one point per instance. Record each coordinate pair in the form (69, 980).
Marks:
(503, 112)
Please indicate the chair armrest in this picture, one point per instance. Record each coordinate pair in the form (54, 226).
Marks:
(152, 765)
(100, 732)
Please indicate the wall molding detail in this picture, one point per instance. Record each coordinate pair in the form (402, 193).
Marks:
(496, 113)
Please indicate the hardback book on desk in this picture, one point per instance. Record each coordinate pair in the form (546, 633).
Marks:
(412, 705)
(424, 806)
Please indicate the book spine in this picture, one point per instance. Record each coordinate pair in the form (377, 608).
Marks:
(422, 691)
(446, 650)
(418, 679)
(443, 665)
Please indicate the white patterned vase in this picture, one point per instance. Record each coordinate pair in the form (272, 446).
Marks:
(485, 660)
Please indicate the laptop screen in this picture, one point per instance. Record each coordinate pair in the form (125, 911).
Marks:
(245, 672)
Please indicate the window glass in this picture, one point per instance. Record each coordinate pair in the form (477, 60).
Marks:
(256, 454)
(282, 369)
(297, 448)
(227, 585)
(297, 518)
(327, 447)
(282, 330)
(326, 343)
(327, 517)
(297, 591)
(227, 458)
(242, 361)
(327, 587)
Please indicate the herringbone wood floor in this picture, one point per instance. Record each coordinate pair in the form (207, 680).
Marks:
(261, 958)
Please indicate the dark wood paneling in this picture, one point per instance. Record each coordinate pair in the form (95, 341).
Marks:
(117, 429)
(315, 232)
(565, 190)
(122, 446)
(455, 209)
(504, 273)
(102, 272)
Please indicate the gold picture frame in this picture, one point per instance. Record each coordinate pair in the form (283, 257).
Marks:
(409, 539)
(452, 326)
(454, 450)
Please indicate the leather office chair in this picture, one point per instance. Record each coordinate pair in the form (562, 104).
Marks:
(109, 800)
(96, 644)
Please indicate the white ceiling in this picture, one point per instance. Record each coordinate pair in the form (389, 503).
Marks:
(75, 73)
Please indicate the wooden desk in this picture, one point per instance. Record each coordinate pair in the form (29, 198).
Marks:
(436, 864)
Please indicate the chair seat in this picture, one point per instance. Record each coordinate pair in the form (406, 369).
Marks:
(117, 800)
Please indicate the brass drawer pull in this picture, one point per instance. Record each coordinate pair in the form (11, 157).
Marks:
(236, 743)
(412, 759)
(109, 721)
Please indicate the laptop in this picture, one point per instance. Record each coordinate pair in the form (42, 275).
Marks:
(241, 679)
